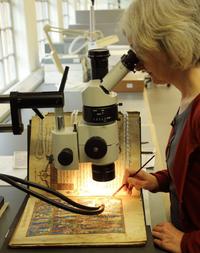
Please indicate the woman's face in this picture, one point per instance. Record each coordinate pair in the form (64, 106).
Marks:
(158, 66)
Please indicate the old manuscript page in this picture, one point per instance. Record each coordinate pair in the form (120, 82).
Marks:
(122, 222)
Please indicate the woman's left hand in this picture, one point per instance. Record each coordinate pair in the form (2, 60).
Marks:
(168, 237)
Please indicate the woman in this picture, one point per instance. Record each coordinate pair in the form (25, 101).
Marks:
(165, 36)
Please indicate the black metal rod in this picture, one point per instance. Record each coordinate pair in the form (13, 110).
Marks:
(4, 99)
(37, 99)
(39, 114)
(64, 78)
(5, 128)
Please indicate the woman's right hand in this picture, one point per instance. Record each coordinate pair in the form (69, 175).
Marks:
(141, 180)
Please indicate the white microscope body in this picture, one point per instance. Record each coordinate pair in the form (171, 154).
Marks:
(95, 139)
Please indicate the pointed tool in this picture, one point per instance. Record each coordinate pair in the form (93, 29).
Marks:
(133, 175)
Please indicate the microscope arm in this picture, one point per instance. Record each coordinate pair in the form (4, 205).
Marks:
(33, 100)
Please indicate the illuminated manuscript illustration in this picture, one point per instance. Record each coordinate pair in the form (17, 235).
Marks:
(48, 220)
(121, 223)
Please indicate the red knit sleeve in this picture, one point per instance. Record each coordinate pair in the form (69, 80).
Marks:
(191, 242)
(163, 180)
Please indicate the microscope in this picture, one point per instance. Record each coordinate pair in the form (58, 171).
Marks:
(95, 138)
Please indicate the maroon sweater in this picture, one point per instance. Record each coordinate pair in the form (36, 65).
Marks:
(186, 174)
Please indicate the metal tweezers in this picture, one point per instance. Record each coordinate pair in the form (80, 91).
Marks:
(71, 205)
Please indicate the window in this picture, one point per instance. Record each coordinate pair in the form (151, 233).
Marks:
(65, 8)
(42, 18)
(69, 8)
(8, 72)
(111, 4)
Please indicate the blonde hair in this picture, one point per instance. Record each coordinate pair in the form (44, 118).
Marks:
(169, 26)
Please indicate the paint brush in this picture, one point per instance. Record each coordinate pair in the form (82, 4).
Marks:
(119, 189)
(133, 175)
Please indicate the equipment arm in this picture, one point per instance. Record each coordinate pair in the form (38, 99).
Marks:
(33, 100)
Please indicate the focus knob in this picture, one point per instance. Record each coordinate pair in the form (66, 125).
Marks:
(65, 157)
(96, 147)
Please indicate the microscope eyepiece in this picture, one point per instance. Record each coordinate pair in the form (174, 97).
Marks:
(129, 60)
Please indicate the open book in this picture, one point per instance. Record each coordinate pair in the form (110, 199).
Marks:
(121, 223)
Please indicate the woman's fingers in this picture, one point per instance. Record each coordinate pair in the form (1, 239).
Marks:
(167, 237)
(137, 183)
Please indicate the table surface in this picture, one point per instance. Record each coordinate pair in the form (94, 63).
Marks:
(16, 198)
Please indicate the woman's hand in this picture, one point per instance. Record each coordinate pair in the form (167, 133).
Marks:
(141, 180)
(168, 237)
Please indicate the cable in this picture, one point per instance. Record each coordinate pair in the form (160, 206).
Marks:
(74, 208)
